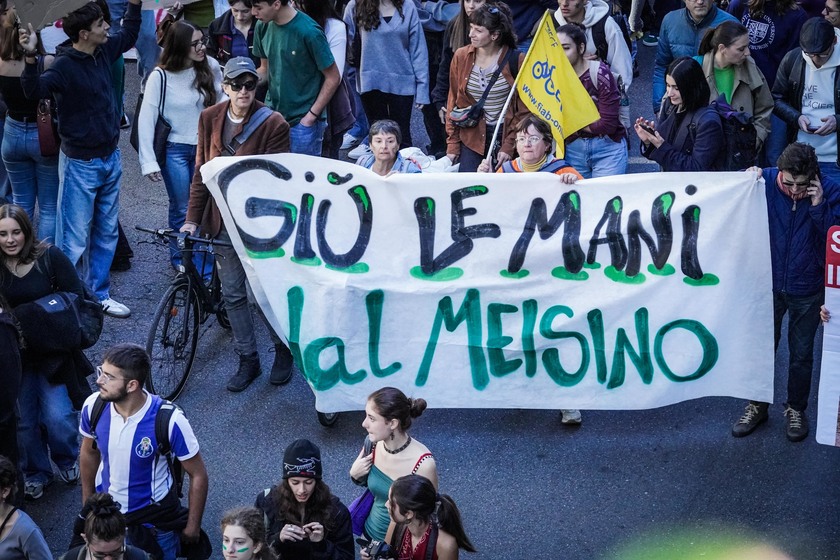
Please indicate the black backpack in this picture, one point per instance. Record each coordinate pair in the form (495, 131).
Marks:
(739, 136)
(90, 314)
(162, 419)
(599, 34)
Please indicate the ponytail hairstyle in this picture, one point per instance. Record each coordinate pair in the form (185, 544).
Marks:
(177, 43)
(251, 519)
(576, 33)
(724, 34)
(366, 14)
(417, 494)
(496, 18)
(104, 521)
(391, 403)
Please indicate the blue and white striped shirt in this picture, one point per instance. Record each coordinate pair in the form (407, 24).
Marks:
(131, 469)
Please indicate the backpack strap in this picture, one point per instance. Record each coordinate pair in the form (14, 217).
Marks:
(431, 544)
(422, 458)
(162, 421)
(554, 166)
(95, 414)
(259, 117)
(599, 37)
(689, 130)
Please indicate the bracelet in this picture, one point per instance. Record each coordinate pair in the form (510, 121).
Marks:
(316, 115)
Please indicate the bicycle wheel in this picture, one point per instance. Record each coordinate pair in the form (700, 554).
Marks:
(172, 341)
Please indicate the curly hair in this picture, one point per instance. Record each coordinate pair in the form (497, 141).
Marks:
(366, 14)
(318, 506)
(177, 44)
(250, 519)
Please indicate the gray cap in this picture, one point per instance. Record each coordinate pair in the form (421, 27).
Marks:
(816, 36)
(235, 67)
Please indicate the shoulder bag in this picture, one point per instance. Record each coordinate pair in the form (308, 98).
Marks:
(468, 117)
(48, 139)
(162, 126)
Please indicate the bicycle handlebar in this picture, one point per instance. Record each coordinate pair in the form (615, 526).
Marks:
(166, 232)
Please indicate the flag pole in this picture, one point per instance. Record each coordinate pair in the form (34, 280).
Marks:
(501, 120)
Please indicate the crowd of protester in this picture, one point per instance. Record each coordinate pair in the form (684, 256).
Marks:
(306, 77)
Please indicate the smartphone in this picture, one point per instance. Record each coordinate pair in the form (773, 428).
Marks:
(647, 129)
(812, 128)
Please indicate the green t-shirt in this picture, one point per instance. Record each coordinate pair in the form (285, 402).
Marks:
(200, 13)
(297, 53)
(725, 81)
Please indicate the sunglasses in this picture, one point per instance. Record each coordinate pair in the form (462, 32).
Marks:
(250, 85)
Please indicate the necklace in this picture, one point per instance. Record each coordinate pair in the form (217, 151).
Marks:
(395, 451)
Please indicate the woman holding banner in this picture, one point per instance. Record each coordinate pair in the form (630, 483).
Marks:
(689, 134)
(483, 70)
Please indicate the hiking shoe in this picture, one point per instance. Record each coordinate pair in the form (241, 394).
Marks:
(71, 475)
(114, 308)
(570, 417)
(650, 40)
(359, 151)
(797, 424)
(754, 414)
(281, 369)
(349, 141)
(249, 369)
(33, 490)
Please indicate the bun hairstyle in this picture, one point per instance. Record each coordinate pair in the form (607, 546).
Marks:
(104, 521)
(391, 403)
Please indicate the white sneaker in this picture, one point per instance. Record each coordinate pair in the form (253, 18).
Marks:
(570, 417)
(359, 151)
(349, 141)
(115, 309)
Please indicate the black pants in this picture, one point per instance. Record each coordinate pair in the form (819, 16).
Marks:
(470, 160)
(380, 105)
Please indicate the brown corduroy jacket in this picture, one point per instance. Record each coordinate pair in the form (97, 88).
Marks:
(272, 137)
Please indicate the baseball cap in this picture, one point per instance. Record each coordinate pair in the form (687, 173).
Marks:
(235, 67)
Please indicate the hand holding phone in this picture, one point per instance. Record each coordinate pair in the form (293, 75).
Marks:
(648, 129)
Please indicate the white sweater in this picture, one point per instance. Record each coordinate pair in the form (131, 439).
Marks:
(182, 106)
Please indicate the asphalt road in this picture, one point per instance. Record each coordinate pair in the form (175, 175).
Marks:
(672, 478)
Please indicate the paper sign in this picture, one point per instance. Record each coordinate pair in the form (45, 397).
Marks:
(507, 290)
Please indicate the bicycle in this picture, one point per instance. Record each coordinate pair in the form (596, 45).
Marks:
(185, 306)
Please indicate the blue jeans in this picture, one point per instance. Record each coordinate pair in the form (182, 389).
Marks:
(775, 142)
(307, 139)
(5, 185)
(177, 175)
(33, 176)
(597, 157)
(46, 418)
(88, 206)
(803, 319)
(148, 50)
(361, 127)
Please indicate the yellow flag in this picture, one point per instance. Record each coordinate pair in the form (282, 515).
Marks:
(549, 87)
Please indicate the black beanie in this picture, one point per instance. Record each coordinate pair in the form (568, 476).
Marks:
(302, 458)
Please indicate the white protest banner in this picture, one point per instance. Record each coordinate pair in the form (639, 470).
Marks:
(828, 401)
(507, 290)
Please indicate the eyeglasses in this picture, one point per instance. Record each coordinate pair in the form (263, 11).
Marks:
(250, 85)
(826, 10)
(824, 54)
(100, 372)
(114, 554)
(200, 44)
(528, 140)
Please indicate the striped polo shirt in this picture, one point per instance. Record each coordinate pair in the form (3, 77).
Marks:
(130, 469)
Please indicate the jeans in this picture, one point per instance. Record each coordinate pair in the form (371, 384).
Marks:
(307, 139)
(88, 206)
(5, 185)
(148, 50)
(597, 157)
(775, 142)
(46, 418)
(235, 294)
(803, 320)
(361, 127)
(177, 175)
(33, 176)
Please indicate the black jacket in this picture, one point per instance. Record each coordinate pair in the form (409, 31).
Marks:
(693, 141)
(220, 35)
(787, 94)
